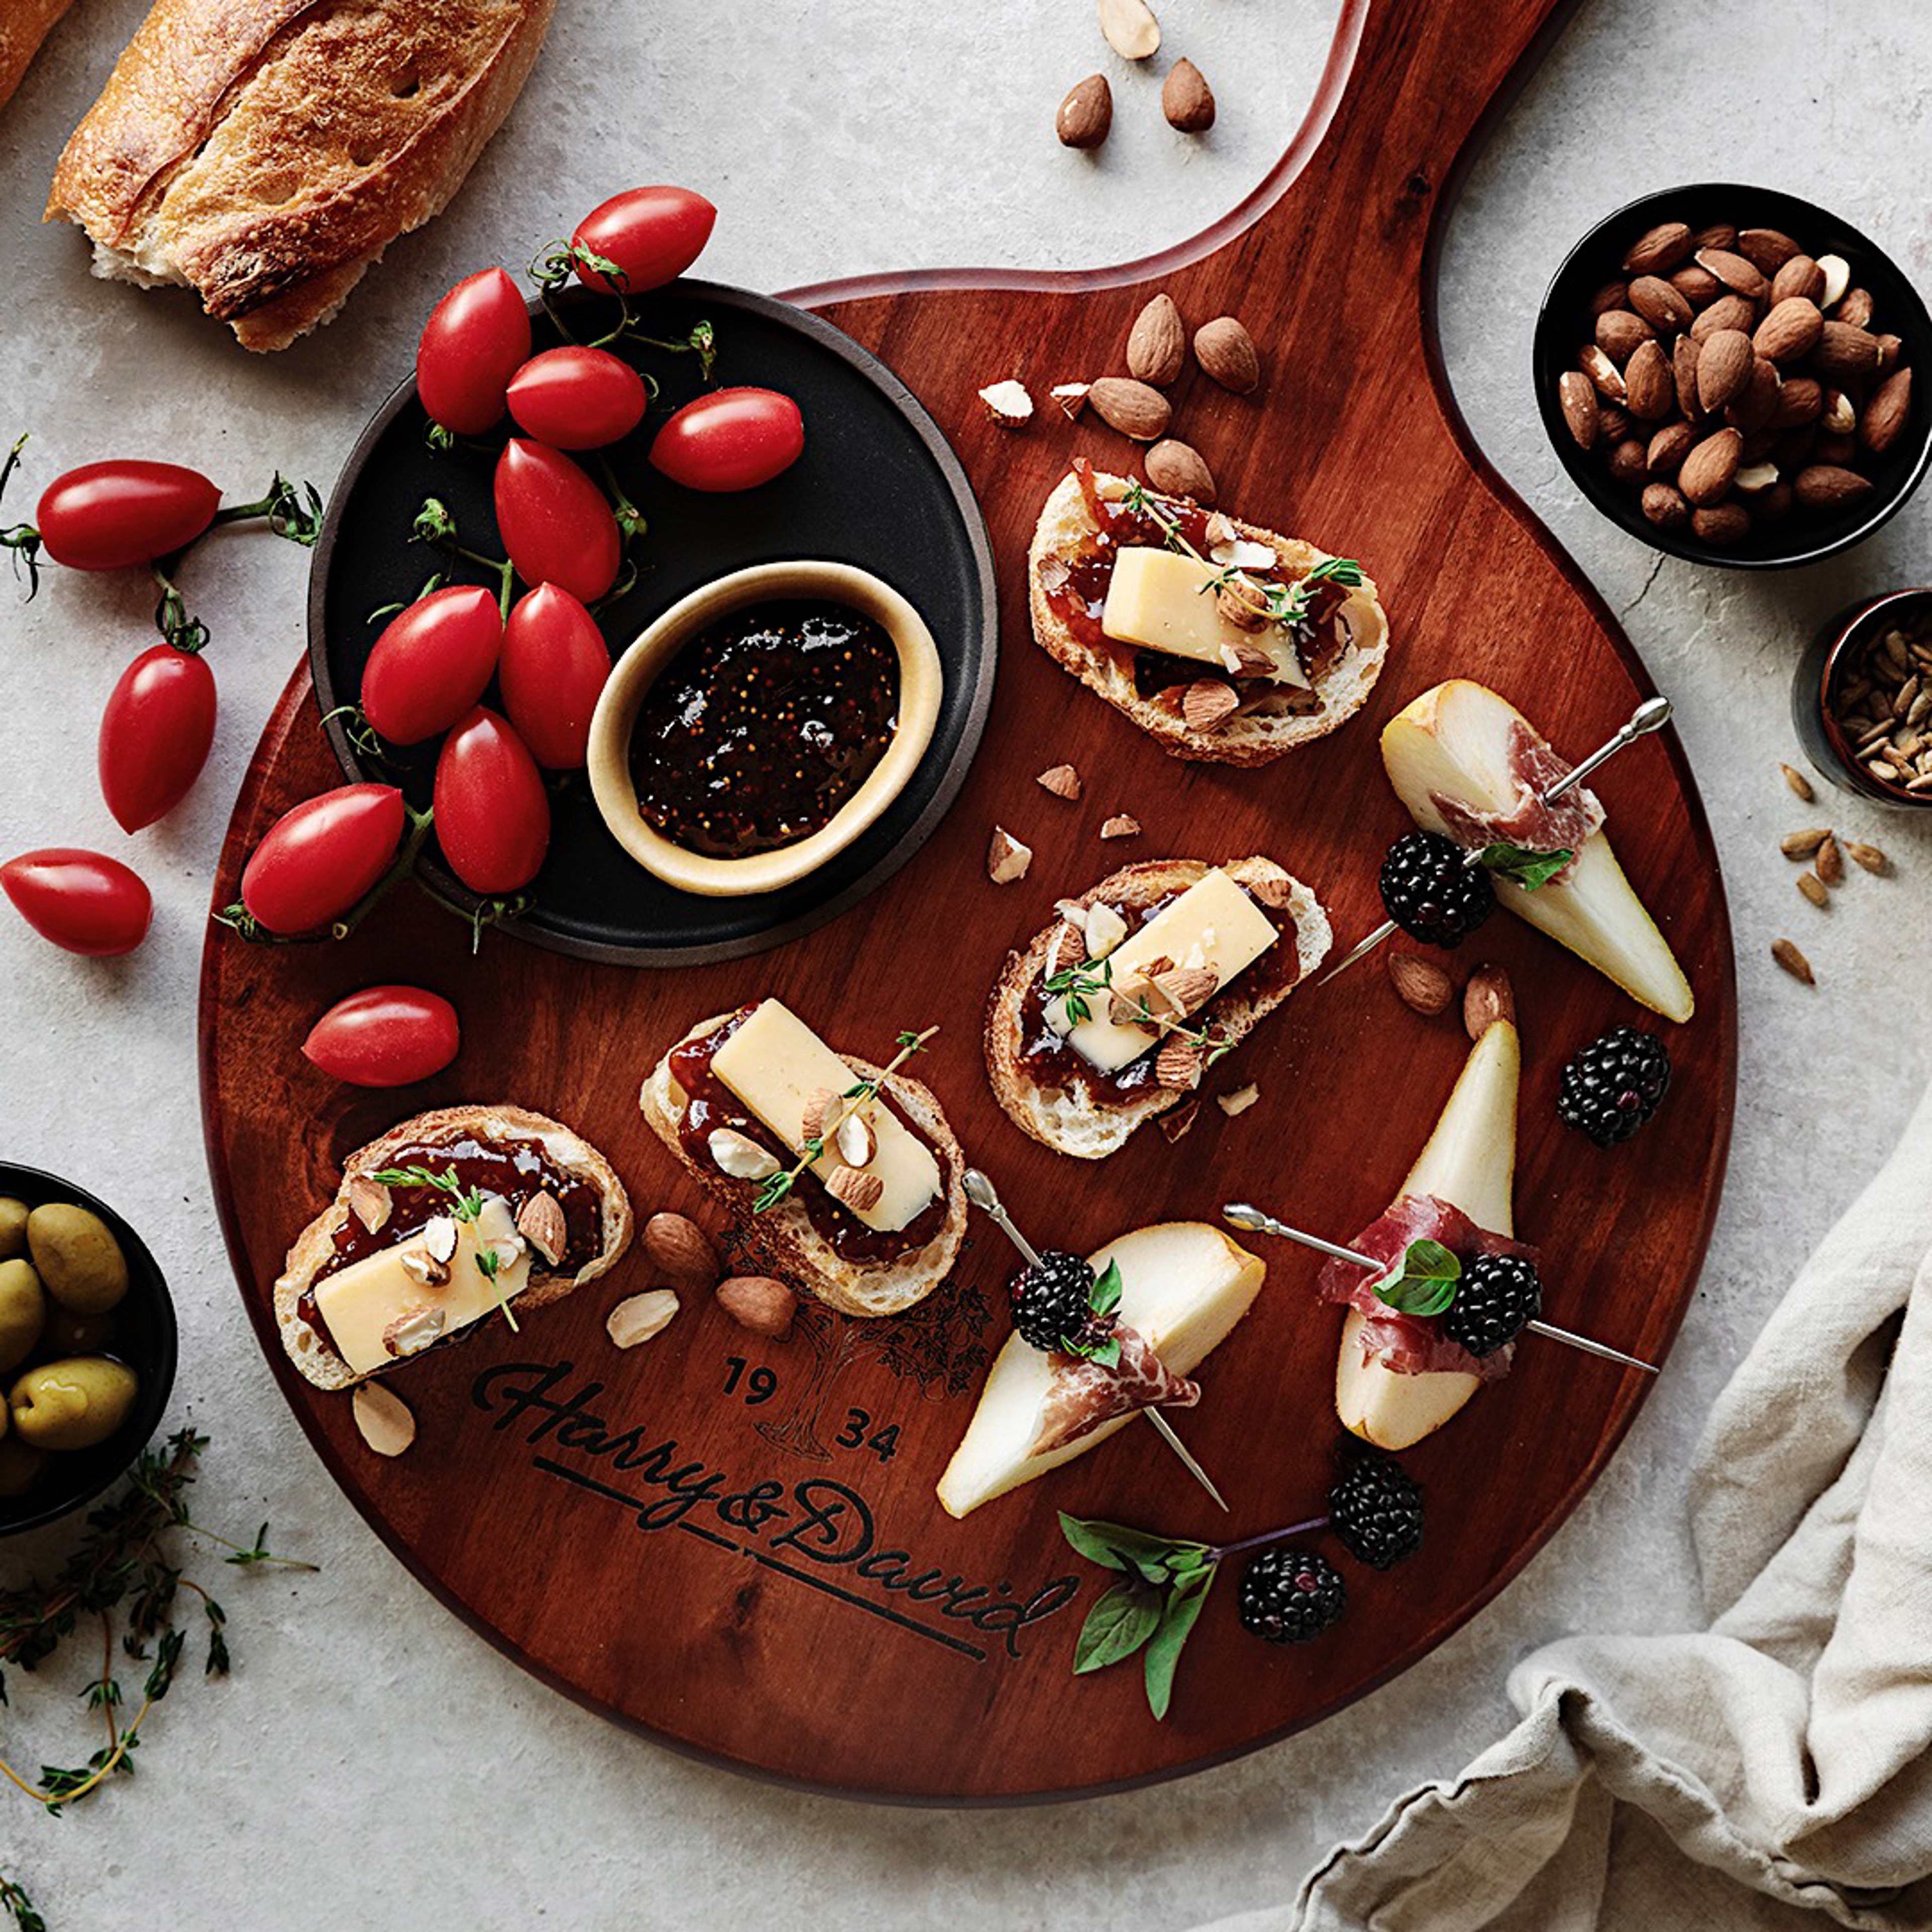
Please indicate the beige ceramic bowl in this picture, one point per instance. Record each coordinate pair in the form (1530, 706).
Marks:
(634, 673)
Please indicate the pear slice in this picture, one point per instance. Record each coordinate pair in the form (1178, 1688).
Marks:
(1469, 1163)
(1453, 742)
(1183, 1285)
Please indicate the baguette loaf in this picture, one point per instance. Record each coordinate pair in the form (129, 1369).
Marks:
(315, 1246)
(783, 1240)
(1267, 725)
(1075, 1119)
(24, 25)
(265, 152)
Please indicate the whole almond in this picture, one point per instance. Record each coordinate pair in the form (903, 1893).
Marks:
(1792, 329)
(1774, 506)
(1719, 235)
(1698, 287)
(1613, 423)
(1157, 344)
(1766, 249)
(1226, 353)
(1856, 308)
(1612, 295)
(1187, 99)
(1887, 413)
(1835, 451)
(1136, 409)
(639, 1318)
(1619, 331)
(1721, 524)
(1488, 997)
(1658, 250)
(1605, 377)
(1723, 367)
(1708, 470)
(1844, 351)
(681, 1251)
(1800, 276)
(1578, 396)
(1131, 31)
(1728, 311)
(758, 1303)
(1664, 504)
(1087, 114)
(1649, 388)
(1627, 463)
(1890, 348)
(1422, 983)
(1683, 358)
(1744, 277)
(1178, 469)
(1660, 304)
(1668, 448)
(1799, 401)
(1824, 486)
(1750, 408)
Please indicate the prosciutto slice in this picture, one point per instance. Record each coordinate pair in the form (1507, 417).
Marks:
(1415, 1344)
(1084, 1394)
(1577, 817)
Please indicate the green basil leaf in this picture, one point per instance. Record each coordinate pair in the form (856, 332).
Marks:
(1524, 867)
(1115, 1546)
(1118, 1625)
(1424, 1283)
(1104, 1297)
(1177, 1622)
(1108, 1355)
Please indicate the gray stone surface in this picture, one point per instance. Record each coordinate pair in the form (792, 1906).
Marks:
(373, 1763)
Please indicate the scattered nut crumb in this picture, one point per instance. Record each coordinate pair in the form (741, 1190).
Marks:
(1072, 398)
(1063, 781)
(1793, 961)
(383, 1419)
(1239, 1101)
(1798, 783)
(1007, 859)
(1120, 826)
(641, 1316)
(1008, 403)
(1177, 1122)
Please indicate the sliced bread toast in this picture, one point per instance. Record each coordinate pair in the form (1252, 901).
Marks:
(1268, 722)
(783, 1241)
(1078, 1117)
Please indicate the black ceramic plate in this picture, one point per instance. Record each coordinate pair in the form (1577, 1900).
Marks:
(1802, 537)
(877, 486)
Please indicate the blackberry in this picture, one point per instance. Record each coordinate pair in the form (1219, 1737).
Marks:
(1376, 1511)
(1290, 1596)
(1051, 1309)
(1614, 1085)
(1431, 893)
(1497, 1295)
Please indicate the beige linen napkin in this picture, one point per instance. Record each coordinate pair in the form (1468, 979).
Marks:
(1778, 1765)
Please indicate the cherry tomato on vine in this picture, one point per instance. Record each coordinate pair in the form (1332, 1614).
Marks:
(574, 398)
(492, 812)
(80, 900)
(433, 662)
(554, 521)
(154, 734)
(554, 666)
(318, 859)
(652, 234)
(385, 1036)
(118, 515)
(730, 439)
(475, 339)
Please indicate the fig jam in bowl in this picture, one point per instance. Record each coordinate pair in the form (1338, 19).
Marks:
(761, 724)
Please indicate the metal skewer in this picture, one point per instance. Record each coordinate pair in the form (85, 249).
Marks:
(981, 1193)
(1252, 1219)
(1652, 714)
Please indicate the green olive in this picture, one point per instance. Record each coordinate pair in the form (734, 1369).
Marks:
(67, 1333)
(20, 1466)
(72, 1404)
(23, 1313)
(81, 1263)
(13, 1228)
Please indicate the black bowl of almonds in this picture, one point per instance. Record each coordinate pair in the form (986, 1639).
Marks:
(1730, 374)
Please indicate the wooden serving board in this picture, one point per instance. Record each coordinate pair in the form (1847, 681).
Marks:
(695, 1537)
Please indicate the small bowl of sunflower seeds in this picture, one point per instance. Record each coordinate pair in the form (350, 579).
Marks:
(1862, 701)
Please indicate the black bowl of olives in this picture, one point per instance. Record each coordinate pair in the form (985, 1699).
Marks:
(87, 1347)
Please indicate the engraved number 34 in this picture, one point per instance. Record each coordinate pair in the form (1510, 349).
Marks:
(883, 1443)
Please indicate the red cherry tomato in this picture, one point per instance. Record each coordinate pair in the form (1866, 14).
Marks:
(554, 667)
(154, 734)
(116, 516)
(385, 1036)
(475, 339)
(80, 900)
(317, 860)
(433, 662)
(730, 439)
(554, 521)
(492, 812)
(652, 234)
(578, 398)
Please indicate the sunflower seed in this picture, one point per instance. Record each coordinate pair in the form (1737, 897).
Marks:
(1830, 862)
(1813, 888)
(1793, 961)
(1800, 783)
(1802, 844)
(1869, 857)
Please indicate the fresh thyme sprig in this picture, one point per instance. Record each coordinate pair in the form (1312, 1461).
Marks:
(780, 1185)
(465, 1204)
(1076, 986)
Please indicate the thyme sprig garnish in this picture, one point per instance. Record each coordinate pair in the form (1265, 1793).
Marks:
(465, 1204)
(1076, 986)
(125, 1556)
(1275, 603)
(778, 1185)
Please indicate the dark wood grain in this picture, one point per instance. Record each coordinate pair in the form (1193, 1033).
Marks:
(1352, 442)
